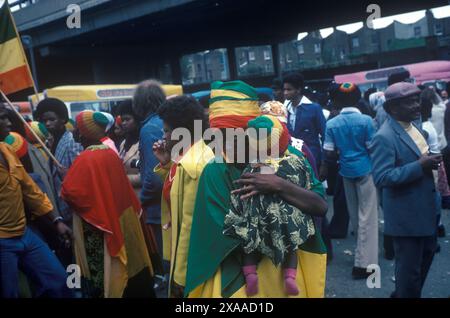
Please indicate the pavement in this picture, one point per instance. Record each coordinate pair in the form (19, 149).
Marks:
(340, 284)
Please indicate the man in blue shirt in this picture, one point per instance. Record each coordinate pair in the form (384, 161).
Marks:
(147, 98)
(348, 137)
(305, 118)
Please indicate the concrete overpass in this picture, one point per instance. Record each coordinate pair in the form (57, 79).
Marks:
(46, 19)
(127, 41)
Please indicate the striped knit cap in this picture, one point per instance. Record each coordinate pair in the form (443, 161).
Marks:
(348, 94)
(70, 125)
(39, 129)
(17, 143)
(277, 133)
(110, 121)
(232, 104)
(91, 125)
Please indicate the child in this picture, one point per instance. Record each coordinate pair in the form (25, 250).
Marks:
(266, 224)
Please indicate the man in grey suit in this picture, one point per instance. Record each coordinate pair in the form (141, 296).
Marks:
(402, 169)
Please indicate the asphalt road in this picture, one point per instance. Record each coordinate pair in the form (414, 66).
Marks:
(341, 285)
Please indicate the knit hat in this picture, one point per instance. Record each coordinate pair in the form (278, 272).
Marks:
(17, 143)
(39, 129)
(276, 109)
(277, 133)
(91, 125)
(232, 104)
(348, 94)
(110, 121)
(71, 125)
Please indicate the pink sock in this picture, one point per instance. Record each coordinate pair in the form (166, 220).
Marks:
(290, 282)
(251, 279)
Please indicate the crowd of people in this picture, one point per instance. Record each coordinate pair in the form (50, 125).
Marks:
(118, 196)
(389, 157)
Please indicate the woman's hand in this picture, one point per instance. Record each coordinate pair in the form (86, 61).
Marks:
(257, 183)
(305, 200)
(161, 153)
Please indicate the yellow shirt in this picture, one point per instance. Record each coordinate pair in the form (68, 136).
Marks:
(17, 189)
(416, 136)
(182, 200)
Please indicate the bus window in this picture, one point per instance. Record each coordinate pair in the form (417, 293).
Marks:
(204, 67)
(384, 73)
(439, 85)
(114, 106)
(254, 60)
(76, 108)
(365, 87)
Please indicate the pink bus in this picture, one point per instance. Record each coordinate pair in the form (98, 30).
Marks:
(435, 73)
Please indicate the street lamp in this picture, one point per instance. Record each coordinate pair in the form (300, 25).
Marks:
(27, 41)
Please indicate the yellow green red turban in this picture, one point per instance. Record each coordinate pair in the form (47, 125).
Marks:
(40, 130)
(91, 125)
(17, 143)
(232, 104)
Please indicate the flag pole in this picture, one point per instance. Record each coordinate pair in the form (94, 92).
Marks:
(49, 153)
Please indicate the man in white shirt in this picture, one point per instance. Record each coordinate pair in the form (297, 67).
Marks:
(306, 120)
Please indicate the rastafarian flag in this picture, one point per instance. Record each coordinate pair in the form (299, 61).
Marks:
(14, 71)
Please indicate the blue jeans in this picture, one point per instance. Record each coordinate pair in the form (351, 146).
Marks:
(35, 259)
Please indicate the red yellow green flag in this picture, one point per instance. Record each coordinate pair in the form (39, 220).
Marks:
(14, 71)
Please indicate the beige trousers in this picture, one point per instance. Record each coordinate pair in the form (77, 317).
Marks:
(362, 203)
